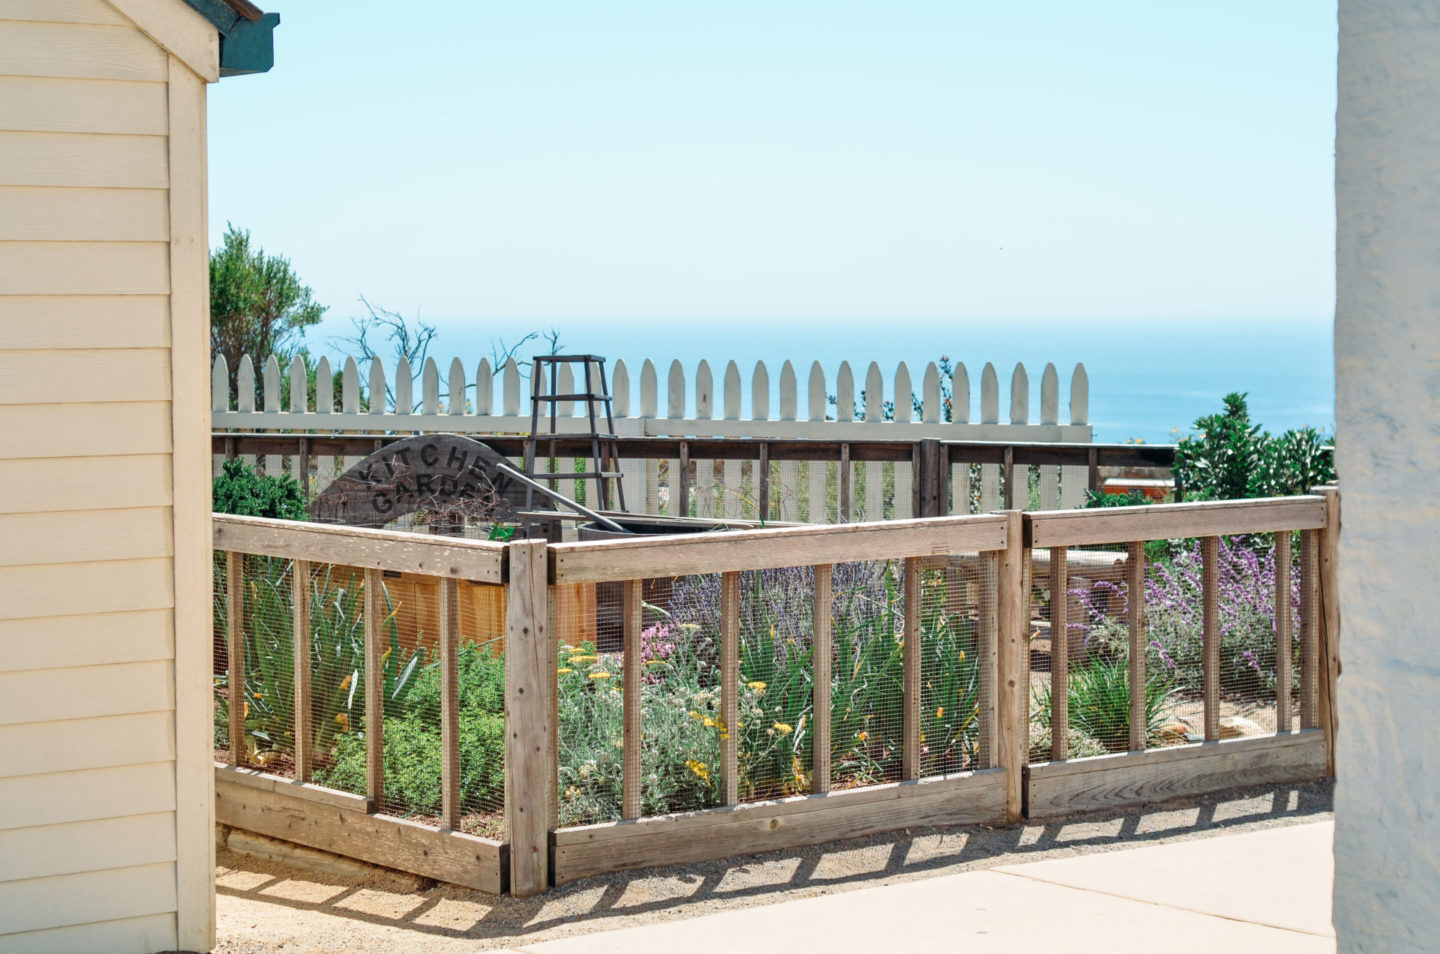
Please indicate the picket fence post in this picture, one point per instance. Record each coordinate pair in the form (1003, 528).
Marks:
(530, 758)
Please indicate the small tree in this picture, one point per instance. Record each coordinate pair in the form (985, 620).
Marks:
(258, 305)
(1230, 458)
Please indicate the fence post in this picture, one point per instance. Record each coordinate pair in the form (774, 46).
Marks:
(1329, 673)
(1012, 686)
(530, 771)
(930, 480)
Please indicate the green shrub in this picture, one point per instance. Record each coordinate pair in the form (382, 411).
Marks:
(1230, 458)
(241, 491)
(1100, 704)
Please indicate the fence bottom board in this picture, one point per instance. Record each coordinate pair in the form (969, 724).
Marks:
(768, 826)
(1115, 781)
(318, 818)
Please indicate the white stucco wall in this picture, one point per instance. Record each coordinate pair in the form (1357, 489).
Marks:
(1387, 347)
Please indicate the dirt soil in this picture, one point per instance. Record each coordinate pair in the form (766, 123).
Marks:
(267, 907)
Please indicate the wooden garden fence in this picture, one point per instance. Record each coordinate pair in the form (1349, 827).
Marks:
(995, 571)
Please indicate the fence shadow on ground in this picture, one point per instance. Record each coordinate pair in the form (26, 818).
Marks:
(618, 900)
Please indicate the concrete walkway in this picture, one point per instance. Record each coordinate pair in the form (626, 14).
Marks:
(1256, 891)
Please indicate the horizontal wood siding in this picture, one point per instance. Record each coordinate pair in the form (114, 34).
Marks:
(88, 430)
(84, 321)
(53, 642)
(62, 11)
(54, 799)
(85, 483)
(42, 104)
(85, 692)
(78, 377)
(153, 932)
(88, 897)
(110, 587)
(86, 846)
(87, 268)
(45, 214)
(88, 771)
(86, 536)
(32, 748)
(80, 51)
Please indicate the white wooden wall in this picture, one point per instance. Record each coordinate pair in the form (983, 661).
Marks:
(695, 404)
(101, 243)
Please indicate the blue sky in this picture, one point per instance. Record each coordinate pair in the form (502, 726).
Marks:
(501, 166)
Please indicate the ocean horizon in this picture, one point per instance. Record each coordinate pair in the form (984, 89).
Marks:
(1149, 380)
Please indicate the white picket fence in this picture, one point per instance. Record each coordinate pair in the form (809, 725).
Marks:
(807, 491)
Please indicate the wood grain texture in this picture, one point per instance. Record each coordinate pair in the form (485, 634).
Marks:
(1137, 778)
(1012, 652)
(768, 826)
(729, 685)
(822, 654)
(80, 51)
(1210, 633)
(87, 268)
(85, 483)
(87, 536)
(1135, 600)
(475, 560)
(86, 430)
(86, 846)
(55, 642)
(35, 800)
(1310, 609)
(116, 107)
(1329, 637)
(530, 766)
(62, 11)
(189, 270)
(766, 549)
(85, 692)
(36, 748)
(632, 609)
(114, 586)
(1169, 521)
(87, 897)
(76, 377)
(85, 321)
(293, 815)
(36, 214)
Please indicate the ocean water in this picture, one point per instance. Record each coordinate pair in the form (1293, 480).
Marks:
(1149, 380)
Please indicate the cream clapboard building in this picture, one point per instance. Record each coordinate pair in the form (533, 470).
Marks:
(106, 805)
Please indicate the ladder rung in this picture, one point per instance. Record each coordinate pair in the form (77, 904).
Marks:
(543, 475)
(588, 398)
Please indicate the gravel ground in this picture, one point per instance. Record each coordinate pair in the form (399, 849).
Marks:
(269, 907)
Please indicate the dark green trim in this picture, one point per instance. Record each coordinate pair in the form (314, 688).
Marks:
(249, 47)
(246, 46)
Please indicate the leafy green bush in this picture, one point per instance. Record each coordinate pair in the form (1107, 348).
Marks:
(1100, 704)
(1230, 458)
(241, 491)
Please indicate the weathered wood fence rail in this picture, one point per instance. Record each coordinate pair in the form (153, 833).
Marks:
(976, 579)
(384, 404)
(818, 481)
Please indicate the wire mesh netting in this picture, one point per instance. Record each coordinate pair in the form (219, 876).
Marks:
(867, 673)
(1246, 655)
(220, 634)
(957, 619)
(480, 669)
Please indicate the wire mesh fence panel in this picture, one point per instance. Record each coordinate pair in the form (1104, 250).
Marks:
(589, 703)
(220, 636)
(774, 711)
(1098, 687)
(480, 684)
(680, 729)
(337, 676)
(957, 601)
(269, 664)
(791, 491)
(867, 673)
